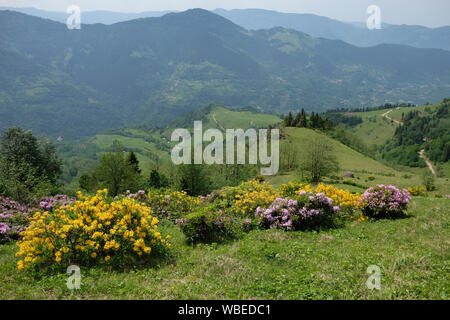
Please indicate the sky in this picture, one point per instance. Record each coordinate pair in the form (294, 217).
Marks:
(431, 13)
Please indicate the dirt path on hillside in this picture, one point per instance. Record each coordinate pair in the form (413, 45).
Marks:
(385, 115)
(427, 161)
(218, 124)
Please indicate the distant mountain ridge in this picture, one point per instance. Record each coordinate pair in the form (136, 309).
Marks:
(353, 33)
(147, 71)
(89, 17)
(317, 26)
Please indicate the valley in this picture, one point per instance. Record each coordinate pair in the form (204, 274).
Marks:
(101, 77)
(326, 176)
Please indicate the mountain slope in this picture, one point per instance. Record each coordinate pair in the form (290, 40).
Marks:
(153, 147)
(323, 27)
(314, 25)
(146, 71)
(88, 17)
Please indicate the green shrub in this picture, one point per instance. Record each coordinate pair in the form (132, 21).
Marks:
(208, 226)
(429, 180)
(351, 183)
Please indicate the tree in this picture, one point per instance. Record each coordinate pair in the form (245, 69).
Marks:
(157, 180)
(133, 161)
(193, 179)
(302, 121)
(429, 180)
(288, 120)
(319, 159)
(88, 182)
(289, 156)
(297, 120)
(27, 163)
(115, 173)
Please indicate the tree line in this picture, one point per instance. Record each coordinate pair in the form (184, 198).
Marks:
(303, 120)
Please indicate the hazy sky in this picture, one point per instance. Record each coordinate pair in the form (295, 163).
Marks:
(432, 13)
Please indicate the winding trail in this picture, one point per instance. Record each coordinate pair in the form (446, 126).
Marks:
(385, 115)
(421, 152)
(217, 122)
(427, 161)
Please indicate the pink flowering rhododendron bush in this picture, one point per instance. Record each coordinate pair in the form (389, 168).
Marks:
(12, 219)
(385, 202)
(13, 215)
(308, 210)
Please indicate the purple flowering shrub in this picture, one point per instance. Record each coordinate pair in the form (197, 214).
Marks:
(385, 202)
(208, 226)
(12, 219)
(307, 211)
(13, 215)
(141, 195)
(55, 202)
(349, 174)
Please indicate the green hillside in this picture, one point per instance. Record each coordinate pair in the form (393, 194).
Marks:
(149, 71)
(361, 165)
(376, 127)
(153, 147)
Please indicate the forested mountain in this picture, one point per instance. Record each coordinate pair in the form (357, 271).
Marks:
(146, 71)
(88, 17)
(323, 27)
(314, 25)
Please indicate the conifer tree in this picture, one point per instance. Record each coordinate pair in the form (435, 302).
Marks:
(133, 161)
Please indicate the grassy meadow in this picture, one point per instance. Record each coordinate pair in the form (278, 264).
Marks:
(331, 263)
(362, 166)
(412, 253)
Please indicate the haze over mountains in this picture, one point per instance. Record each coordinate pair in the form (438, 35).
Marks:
(146, 71)
(314, 25)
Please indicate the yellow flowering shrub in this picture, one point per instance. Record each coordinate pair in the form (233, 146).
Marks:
(245, 198)
(172, 204)
(94, 229)
(418, 191)
(342, 198)
(292, 189)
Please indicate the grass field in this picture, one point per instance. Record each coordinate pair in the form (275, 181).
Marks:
(412, 253)
(375, 129)
(397, 112)
(148, 143)
(154, 145)
(362, 166)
